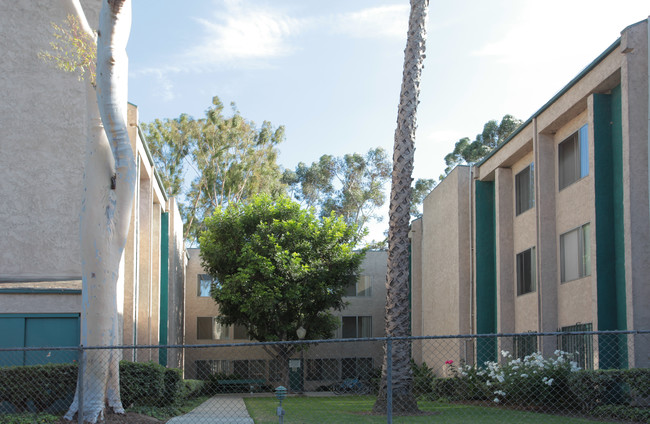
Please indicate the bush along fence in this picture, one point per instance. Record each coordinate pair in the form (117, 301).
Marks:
(563, 377)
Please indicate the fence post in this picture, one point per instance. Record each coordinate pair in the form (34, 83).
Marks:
(80, 385)
(389, 380)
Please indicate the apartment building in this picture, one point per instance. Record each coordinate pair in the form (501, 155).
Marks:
(317, 366)
(42, 145)
(551, 231)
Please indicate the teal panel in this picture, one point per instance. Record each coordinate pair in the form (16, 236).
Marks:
(164, 286)
(51, 331)
(13, 335)
(610, 247)
(486, 301)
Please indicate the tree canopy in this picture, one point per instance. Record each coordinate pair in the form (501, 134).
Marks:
(230, 158)
(469, 152)
(351, 186)
(279, 267)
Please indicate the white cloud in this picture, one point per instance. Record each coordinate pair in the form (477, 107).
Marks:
(243, 33)
(385, 21)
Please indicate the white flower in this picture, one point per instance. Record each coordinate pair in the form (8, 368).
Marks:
(500, 378)
(496, 400)
(488, 383)
(500, 393)
(524, 375)
(549, 382)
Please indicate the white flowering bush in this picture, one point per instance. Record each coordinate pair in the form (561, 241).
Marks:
(532, 380)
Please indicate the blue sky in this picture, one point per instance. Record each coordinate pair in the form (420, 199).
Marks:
(331, 71)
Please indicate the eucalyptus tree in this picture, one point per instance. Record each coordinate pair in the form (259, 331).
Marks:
(397, 279)
(351, 186)
(229, 158)
(108, 193)
(468, 152)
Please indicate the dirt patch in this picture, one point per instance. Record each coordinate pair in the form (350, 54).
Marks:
(128, 418)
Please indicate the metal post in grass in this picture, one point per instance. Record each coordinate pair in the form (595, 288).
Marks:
(280, 393)
(80, 379)
(389, 380)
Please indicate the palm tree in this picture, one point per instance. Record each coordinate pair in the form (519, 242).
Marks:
(397, 297)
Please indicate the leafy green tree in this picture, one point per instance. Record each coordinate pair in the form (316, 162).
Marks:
(351, 186)
(279, 267)
(469, 152)
(231, 159)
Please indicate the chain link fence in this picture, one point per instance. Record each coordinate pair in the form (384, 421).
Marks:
(563, 377)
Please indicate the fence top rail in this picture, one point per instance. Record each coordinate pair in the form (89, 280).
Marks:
(323, 341)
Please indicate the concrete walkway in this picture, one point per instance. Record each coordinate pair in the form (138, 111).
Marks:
(216, 410)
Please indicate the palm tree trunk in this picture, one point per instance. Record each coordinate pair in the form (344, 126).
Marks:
(397, 279)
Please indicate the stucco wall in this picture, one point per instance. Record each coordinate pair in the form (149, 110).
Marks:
(445, 267)
(42, 141)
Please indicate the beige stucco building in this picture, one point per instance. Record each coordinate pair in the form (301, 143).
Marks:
(324, 363)
(42, 144)
(551, 231)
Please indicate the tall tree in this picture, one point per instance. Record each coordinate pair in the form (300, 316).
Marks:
(397, 284)
(351, 186)
(469, 152)
(231, 159)
(278, 268)
(107, 201)
(419, 191)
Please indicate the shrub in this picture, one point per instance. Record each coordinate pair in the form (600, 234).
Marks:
(423, 377)
(38, 387)
(141, 383)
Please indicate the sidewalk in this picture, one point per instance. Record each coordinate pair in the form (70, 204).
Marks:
(216, 410)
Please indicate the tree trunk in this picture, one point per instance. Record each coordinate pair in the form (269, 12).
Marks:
(107, 202)
(397, 279)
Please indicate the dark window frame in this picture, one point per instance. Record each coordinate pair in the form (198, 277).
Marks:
(526, 268)
(525, 189)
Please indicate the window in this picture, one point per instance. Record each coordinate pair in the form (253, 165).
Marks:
(204, 368)
(573, 158)
(357, 327)
(575, 254)
(322, 369)
(524, 345)
(526, 271)
(360, 368)
(207, 328)
(525, 189)
(362, 288)
(249, 368)
(578, 344)
(240, 333)
(204, 286)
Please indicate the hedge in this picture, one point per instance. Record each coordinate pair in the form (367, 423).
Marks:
(51, 387)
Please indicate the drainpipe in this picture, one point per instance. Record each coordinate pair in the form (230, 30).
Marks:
(648, 76)
(471, 251)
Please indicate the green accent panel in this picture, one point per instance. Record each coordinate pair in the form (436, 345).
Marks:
(40, 291)
(13, 335)
(38, 330)
(610, 243)
(486, 281)
(164, 286)
(52, 331)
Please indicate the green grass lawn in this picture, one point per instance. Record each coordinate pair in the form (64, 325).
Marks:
(351, 409)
